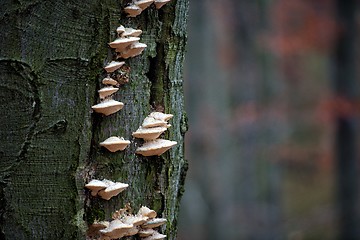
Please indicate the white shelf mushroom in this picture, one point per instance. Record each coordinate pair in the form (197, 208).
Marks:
(143, 4)
(108, 107)
(116, 229)
(134, 50)
(155, 147)
(112, 190)
(107, 91)
(113, 66)
(114, 144)
(149, 133)
(155, 236)
(133, 10)
(109, 81)
(120, 44)
(160, 3)
(153, 223)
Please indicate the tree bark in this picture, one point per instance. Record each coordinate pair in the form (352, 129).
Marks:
(52, 55)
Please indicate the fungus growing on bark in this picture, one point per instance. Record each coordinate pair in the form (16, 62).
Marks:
(107, 91)
(149, 133)
(133, 10)
(112, 190)
(114, 144)
(150, 122)
(135, 49)
(120, 44)
(108, 107)
(135, 220)
(120, 29)
(143, 4)
(95, 186)
(155, 147)
(146, 212)
(113, 66)
(160, 3)
(105, 188)
(130, 32)
(153, 223)
(109, 81)
(161, 116)
(116, 229)
(146, 232)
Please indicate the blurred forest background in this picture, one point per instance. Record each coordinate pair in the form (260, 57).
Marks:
(272, 97)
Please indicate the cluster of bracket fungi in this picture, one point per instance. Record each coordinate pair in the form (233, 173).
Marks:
(124, 223)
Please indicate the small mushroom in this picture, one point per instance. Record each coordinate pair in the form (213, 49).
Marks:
(149, 133)
(95, 186)
(153, 223)
(146, 232)
(109, 81)
(155, 147)
(107, 91)
(150, 122)
(155, 236)
(161, 116)
(146, 212)
(108, 107)
(134, 50)
(143, 4)
(120, 29)
(133, 10)
(114, 144)
(112, 190)
(130, 32)
(116, 229)
(120, 44)
(113, 66)
(100, 225)
(160, 3)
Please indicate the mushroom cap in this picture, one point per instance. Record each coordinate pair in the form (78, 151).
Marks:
(150, 122)
(146, 212)
(161, 116)
(160, 3)
(146, 232)
(153, 223)
(96, 185)
(116, 229)
(109, 81)
(113, 66)
(143, 4)
(112, 190)
(107, 91)
(108, 107)
(130, 32)
(123, 42)
(149, 133)
(120, 29)
(155, 236)
(135, 220)
(133, 10)
(100, 225)
(155, 147)
(114, 144)
(134, 50)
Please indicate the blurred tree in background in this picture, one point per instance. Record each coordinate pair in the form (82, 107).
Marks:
(273, 104)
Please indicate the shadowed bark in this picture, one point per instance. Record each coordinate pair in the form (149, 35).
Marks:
(51, 59)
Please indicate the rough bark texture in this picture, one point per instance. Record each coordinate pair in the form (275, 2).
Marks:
(51, 59)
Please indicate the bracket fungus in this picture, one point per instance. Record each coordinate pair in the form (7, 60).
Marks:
(146, 212)
(160, 3)
(161, 116)
(149, 133)
(114, 144)
(155, 236)
(116, 229)
(107, 91)
(120, 44)
(109, 81)
(143, 4)
(155, 147)
(105, 188)
(153, 223)
(150, 122)
(113, 66)
(133, 10)
(108, 107)
(134, 50)
(130, 32)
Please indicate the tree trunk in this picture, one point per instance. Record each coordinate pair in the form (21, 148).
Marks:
(52, 55)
